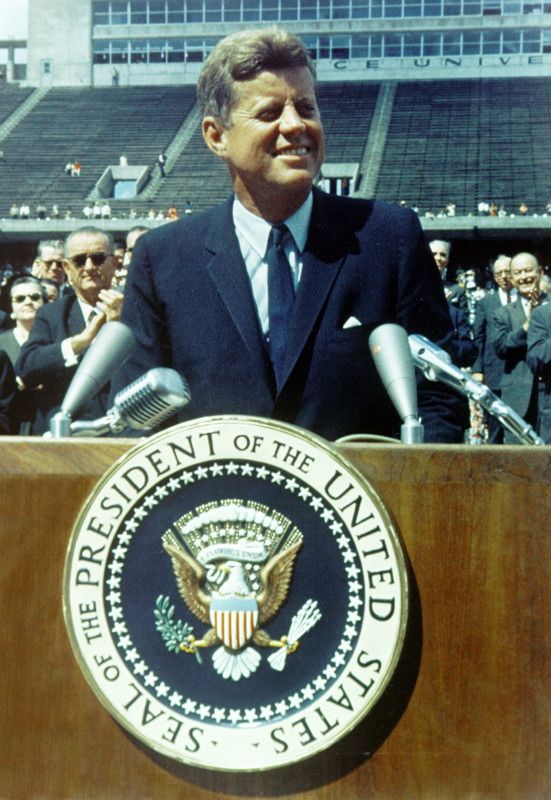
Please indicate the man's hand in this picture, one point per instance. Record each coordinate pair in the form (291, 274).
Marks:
(84, 339)
(110, 303)
(533, 296)
(478, 376)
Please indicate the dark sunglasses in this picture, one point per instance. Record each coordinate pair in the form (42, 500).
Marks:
(20, 298)
(58, 261)
(97, 259)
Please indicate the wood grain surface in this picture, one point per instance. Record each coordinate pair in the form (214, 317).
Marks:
(468, 714)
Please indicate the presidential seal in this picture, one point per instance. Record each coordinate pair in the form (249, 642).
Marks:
(236, 594)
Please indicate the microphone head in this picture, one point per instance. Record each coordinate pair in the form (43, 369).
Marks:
(152, 398)
(106, 354)
(392, 357)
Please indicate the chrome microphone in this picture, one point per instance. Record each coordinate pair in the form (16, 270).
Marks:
(109, 350)
(142, 405)
(392, 357)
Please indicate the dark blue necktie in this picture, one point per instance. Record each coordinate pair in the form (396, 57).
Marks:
(281, 298)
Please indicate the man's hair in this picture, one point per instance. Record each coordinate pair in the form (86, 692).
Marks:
(447, 244)
(242, 56)
(56, 244)
(500, 258)
(90, 229)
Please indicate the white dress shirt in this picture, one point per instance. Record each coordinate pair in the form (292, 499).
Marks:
(253, 233)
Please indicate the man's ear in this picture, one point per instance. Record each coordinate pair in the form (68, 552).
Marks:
(214, 135)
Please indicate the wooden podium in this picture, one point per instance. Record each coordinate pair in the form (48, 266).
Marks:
(476, 717)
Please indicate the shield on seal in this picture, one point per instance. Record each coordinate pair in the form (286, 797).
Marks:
(234, 619)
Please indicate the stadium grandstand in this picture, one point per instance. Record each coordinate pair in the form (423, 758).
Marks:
(442, 105)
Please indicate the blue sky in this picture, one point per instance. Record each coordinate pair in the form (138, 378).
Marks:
(13, 18)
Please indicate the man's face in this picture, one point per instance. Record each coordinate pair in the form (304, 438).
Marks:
(525, 273)
(502, 273)
(26, 299)
(274, 144)
(441, 254)
(50, 264)
(89, 265)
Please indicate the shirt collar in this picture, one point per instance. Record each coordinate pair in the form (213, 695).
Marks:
(256, 230)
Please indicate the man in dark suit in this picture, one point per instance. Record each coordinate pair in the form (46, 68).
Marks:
(519, 387)
(455, 294)
(488, 367)
(539, 360)
(275, 323)
(62, 331)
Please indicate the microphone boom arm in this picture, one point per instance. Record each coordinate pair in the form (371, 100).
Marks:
(437, 365)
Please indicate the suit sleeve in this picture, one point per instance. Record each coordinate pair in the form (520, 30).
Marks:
(539, 341)
(40, 359)
(507, 340)
(142, 313)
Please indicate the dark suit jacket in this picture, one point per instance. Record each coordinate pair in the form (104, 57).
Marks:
(488, 362)
(8, 390)
(517, 382)
(463, 349)
(539, 360)
(189, 302)
(40, 361)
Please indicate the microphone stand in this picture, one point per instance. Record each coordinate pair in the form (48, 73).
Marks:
(412, 431)
(436, 365)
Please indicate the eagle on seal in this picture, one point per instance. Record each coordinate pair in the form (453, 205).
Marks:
(231, 607)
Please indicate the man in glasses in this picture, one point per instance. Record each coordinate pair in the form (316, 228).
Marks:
(49, 261)
(64, 330)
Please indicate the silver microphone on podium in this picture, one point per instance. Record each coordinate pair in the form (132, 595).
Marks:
(142, 405)
(392, 357)
(106, 354)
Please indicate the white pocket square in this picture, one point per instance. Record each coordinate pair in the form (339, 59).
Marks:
(351, 322)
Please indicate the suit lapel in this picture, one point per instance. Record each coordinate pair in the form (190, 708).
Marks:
(75, 322)
(322, 259)
(227, 270)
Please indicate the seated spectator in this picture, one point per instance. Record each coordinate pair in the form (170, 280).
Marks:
(63, 331)
(49, 261)
(132, 237)
(455, 294)
(52, 289)
(27, 295)
(14, 211)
